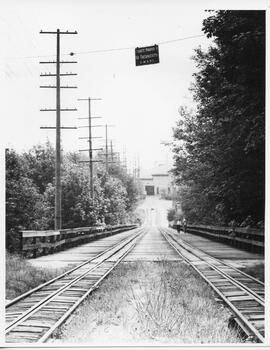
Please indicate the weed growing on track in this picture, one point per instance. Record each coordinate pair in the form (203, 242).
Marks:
(150, 302)
(21, 276)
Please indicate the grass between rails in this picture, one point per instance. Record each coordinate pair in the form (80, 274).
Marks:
(150, 303)
(21, 276)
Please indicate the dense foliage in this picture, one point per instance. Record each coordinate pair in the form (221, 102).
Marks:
(30, 192)
(219, 152)
(171, 214)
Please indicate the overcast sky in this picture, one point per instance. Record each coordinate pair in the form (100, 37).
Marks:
(142, 102)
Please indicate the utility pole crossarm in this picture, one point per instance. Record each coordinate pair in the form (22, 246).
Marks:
(89, 139)
(106, 145)
(55, 87)
(91, 118)
(54, 62)
(58, 127)
(92, 161)
(57, 32)
(87, 126)
(54, 75)
(93, 149)
(62, 110)
(110, 152)
(62, 127)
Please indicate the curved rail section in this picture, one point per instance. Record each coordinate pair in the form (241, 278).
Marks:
(241, 292)
(35, 315)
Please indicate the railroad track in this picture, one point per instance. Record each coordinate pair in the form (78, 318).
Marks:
(243, 294)
(35, 315)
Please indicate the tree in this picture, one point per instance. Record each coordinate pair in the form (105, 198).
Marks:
(221, 150)
(40, 165)
(78, 208)
(115, 197)
(128, 182)
(22, 197)
(30, 192)
(171, 214)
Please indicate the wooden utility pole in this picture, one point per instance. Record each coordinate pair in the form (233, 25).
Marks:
(90, 149)
(58, 216)
(107, 148)
(111, 151)
(57, 219)
(90, 144)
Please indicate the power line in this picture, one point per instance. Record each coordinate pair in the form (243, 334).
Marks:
(110, 49)
(133, 47)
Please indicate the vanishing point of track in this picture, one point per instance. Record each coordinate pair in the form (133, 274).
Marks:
(244, 294)
(35, 315)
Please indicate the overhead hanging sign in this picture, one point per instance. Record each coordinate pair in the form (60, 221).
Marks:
(146, 55)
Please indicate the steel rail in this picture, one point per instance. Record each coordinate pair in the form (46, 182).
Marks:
(70, 311)
(246, 322)
(234, 280)
(22, 296)
(43, 301)
(223, 262)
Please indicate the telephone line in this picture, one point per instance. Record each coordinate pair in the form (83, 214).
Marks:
(105, 50)
(132, 47)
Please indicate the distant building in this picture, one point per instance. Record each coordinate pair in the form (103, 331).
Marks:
(157, 184)
(148, 186)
